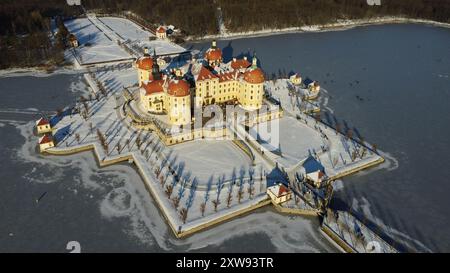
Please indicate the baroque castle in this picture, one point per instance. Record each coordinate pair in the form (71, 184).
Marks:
(210, 81)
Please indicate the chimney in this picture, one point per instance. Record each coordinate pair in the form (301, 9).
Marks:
(214, 44)
(146, 50)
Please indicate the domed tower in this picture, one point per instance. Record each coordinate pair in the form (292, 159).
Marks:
(252, 96)
(213, 55)
(144, 66)
(178, 101)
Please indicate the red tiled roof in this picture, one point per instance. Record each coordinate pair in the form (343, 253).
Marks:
(178, 88)
(213, 54)
(145, 63)
(205, 74)
(254, 76)
(46, 139)
(161, 29)
(240, 63)
(282, 190)
(321, 174)
(153, 87)
(227, 76)
(43, 121)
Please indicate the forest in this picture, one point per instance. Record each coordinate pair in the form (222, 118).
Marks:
(25, 25)
(25, 38)
(249, 15)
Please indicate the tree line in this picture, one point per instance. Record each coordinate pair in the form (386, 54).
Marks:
(194, 17)
(25, 25)
(251, 15)
(25, 32)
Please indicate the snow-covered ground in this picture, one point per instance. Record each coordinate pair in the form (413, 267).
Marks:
(126, 28)
(132, 34)
(334, 150)
(208, 179)
(95, 46)
(113, 39)
(338, 25)
(184, 168)
(292, 100)
(163, 47)
(348, 228)
(210, 159)
(296, 140)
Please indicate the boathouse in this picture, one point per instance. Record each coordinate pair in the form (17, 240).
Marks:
(296, 79)
(45, 142)
(43, 126)
(315, 172)
(73, 41)
(314, 87)
(279, 193)
(161, 33)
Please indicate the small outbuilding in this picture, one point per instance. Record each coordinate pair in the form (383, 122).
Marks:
(161, 33)
(45, 142)
(43, 126)
(314, 87)
(296, 79)
(73, 41)
(279, 193)
(314, 170)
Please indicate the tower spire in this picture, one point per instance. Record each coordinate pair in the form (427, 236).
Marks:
(155, 68)
(254, 61)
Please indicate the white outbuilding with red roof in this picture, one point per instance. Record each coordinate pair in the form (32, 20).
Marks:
(45, 142)
(279, 193)
(43, 126)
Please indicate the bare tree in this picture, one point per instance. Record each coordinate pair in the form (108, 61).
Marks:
(169, 189)
(349, 134)
(250, 190)
(202, 208)
(374, 148)
(176, 201)
(229, 199)
(216, 203)
(240, 194)
(338, 128)
(77, 137)
(183, 215)
(127, 142)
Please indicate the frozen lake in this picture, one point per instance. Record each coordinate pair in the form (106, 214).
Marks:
(109, 209)
(390, 82)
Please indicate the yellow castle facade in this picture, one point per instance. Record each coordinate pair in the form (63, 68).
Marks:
(210, 82)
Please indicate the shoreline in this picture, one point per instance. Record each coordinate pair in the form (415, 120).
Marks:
(340, 25)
